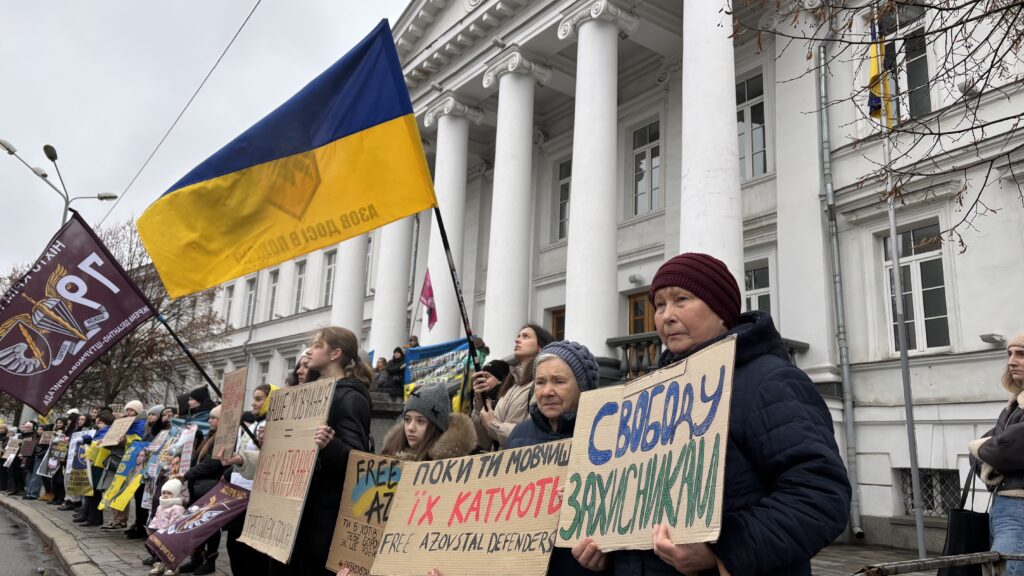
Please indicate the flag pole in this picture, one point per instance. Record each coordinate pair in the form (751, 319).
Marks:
(195, 362)
(897, 287)
(458, 289)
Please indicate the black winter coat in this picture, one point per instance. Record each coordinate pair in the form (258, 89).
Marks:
(786, 495)
(537, 430)
(204, 474)
(350, 418)
(1003, 449)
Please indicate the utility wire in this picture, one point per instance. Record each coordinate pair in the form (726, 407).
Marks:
(180, 114)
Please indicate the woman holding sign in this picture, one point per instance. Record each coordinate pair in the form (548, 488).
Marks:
(334, 355)
(786, 494)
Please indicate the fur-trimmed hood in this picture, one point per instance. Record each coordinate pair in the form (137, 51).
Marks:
(458, 440)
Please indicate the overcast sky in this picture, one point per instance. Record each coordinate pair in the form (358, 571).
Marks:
(102, 81)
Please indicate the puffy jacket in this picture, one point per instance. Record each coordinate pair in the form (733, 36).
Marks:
(1001, 449)
(458, 440)
(786, 493)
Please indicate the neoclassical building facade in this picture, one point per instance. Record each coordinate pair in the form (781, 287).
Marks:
(575, 145)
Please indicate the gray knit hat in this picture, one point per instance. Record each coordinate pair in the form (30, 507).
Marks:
(432, 401)
(582, 363)
(155, 410)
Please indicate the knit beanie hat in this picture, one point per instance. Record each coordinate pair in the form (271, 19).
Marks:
(215, 413)
(433, 402)
(106, 417)
(155, 410)
(497, 368)
(1017, 341)
(173, 486)
(73, 411)
(137, 406)
(582, 363)
(200, 394)
(707, 278)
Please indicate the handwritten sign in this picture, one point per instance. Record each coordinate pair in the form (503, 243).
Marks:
(370, 485)
(231, 408)
(116, 432)
(117, 410)
(492, 514)
(286, 464)
(46, 437)
(13, 446)
(651, 452)
(28, 446)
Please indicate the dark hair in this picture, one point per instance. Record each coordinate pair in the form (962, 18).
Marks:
(338, 338)
(265, 388)
(398, 443)
(543, 339)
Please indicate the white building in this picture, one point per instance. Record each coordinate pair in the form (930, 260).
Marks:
(520, 101)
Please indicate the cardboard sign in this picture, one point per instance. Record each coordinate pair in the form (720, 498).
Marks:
(116, 432)
(492, 514)
(222, 504)
(28, 446)
(117, 410)
(651, 452)
(370, 485)
(231, 408)
(46, 437)
(286, 465)
(13, 447)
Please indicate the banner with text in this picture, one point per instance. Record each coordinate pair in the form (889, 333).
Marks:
(492, 514)
(287, 459)
(651, 451)
(445, 364)
(370, 485)
(232, 404)
(74, 304)
(222, 504)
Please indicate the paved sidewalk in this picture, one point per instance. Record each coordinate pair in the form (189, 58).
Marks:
(92, 552)
(88, 551)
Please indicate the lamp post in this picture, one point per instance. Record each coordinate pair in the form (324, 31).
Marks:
(51, 153)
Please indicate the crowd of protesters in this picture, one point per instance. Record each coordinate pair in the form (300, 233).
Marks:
(786, 492)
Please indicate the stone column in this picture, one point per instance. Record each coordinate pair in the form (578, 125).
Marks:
(593, 311)
(711, 207)
(391, 296)
(450, 163)
(512, 198)
(350, 284)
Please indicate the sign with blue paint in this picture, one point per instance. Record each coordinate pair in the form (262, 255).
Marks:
(370, 485)
(651, 451)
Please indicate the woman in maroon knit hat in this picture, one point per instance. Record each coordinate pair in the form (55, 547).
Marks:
(786, 492)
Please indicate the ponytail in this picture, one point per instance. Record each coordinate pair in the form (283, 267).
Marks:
(338, 338)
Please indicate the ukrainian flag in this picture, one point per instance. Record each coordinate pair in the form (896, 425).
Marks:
(878, 82)
(341, 157)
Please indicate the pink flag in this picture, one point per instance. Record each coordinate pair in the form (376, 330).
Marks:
(427, 299)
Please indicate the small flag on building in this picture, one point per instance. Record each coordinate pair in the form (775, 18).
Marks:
(73, 305)
(878, 79)
(427, 299)
(342, 157)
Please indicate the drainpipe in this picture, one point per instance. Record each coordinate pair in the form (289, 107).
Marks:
(837, 293)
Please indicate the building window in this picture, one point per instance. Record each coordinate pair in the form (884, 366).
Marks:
(558, 323)
(264, 372)
(641, 314)
(907, 57)
(300, 285)
(940, 491)
(289, 367)
(757, 288)
(564, 181)
(924, 289)
(751, 127)
(368, 284)
(275, 280)
(229, 303)
(330, 262)
(218, 375)
(647, 193)
(250, 301)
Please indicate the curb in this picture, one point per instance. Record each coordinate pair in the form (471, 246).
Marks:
(72, 558)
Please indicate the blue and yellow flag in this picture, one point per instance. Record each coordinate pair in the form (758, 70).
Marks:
(879, 105)
(341, 157)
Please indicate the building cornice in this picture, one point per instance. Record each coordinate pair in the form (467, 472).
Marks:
(589, 10)
(514, 61)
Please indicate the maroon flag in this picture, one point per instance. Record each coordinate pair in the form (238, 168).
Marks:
(427, 299)
(222, 504)
(74, 304)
